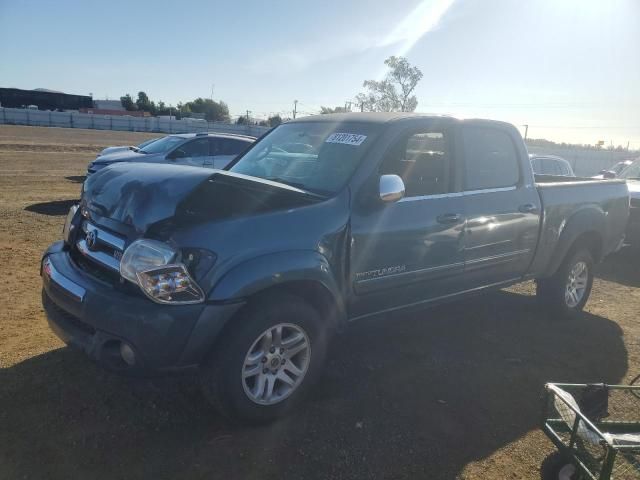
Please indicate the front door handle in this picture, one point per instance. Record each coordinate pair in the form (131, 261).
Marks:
(528, 208)
(447, 218)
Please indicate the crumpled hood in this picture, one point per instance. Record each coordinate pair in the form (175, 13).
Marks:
(144, 195)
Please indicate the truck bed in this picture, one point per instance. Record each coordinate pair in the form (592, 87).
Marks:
(567, 200)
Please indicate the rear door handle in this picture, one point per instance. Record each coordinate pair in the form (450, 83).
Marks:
(447, 218)
(528, 208)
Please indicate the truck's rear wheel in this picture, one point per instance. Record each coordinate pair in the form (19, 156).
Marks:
(267, 360)
(568, 290)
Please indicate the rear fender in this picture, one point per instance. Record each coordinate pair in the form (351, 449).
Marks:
(588, 220)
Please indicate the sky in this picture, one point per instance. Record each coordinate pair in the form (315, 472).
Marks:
(570, 69)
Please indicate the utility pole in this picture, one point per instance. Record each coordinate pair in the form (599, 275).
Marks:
(248, 112)
(295, 108)
(526, 131)
(212, 86)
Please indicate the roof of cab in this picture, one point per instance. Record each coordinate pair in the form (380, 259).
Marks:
(387, 117)
(366, 117)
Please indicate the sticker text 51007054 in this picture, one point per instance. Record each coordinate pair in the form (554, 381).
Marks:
(346, 138)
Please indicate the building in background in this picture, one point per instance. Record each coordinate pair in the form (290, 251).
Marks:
(112, 105)
(43, 99)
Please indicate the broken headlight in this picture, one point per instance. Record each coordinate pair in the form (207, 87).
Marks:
(156, 268)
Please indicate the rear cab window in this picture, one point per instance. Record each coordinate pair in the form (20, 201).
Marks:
(491, 159)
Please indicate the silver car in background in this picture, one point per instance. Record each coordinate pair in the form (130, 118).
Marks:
(212, 150)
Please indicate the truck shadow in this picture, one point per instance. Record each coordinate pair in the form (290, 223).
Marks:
(54, 208)
(416, 395)
(622, 267)
(76, 178)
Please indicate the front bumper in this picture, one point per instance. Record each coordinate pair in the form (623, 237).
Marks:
(96, 317)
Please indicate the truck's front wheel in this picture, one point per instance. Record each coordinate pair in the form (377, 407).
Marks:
(267, 360)
(568, 290)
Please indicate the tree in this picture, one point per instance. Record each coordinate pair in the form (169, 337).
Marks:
(274, 121)
(145, 104)
(127, 103)
(395, 92)
(213, 111)
(325, 110)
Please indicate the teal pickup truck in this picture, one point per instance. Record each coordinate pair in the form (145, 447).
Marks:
(244, 273)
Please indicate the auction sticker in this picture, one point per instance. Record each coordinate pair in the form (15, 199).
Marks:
(346, 138)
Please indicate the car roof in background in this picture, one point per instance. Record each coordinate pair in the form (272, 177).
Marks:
(234, 136)
(551, 157)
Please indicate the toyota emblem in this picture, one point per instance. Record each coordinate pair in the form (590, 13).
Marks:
(91, 239)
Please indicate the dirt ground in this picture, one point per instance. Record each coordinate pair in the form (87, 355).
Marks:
(451, 392)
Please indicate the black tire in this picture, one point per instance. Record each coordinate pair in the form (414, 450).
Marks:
(551, 291)
(553, 465)
(221, 375)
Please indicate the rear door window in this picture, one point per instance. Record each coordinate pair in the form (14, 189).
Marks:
(491, 159)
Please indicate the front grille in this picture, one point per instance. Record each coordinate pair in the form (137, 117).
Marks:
(66, 316)
(93, 269)
(98, 251)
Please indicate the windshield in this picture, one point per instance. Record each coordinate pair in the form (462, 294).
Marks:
(162, 145)
(319, 157)
(148, 142)
(632, 171)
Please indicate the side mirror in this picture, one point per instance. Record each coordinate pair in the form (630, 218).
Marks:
(608, 174)
(391, 188)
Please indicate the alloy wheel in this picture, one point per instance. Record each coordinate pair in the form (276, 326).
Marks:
(576, 284)
(276, 363)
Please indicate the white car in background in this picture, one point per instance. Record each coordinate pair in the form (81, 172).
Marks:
(123, 148)
(615, 170)
(210, 150)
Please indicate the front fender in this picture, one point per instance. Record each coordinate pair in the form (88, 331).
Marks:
(275, 269)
